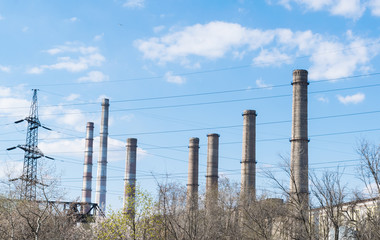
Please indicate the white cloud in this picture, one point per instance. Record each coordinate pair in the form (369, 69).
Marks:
(74, 118)
(285, 3)
(260, 83)
(94, 76)
(211, 40)
(334, 59)
(12, 107)
(75, 149)
(87, 57)
(141, 153)
(99, 37)
(72, 97)
(35, 70)
(271, 58)
(69, 118)
(5, 91)
(127, 117)
(5, 69)
(348, 8)
(316, 4)
(353, 9)
(73, 19)
(14, 102)
(352, 99)
(323, 99)
(174, 79)
(158, 29)
(238, 55)
(330, 56)
(134, 4)
(10, 169)
(71, 47)
(76, 65)
(375, 7)
(1, 17)
(54, 51)
(25, 29)
(68, 148)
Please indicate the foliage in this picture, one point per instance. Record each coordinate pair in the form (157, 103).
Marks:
(141, 223)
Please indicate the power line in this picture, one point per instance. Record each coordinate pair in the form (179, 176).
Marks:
(259, 140)
(149, 173)
(220, 92)
(233, 126)
(184, 175)
(214, 102)
(239, 126)
(199, 129)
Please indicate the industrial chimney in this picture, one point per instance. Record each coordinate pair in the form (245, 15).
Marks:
(87, 170)
(212, 170)
(192, 181)
(102, 162)
(130, 177)
(248, 163)
(299, 181)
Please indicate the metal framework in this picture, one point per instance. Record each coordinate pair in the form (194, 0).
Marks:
(79, 211)
(32, 152)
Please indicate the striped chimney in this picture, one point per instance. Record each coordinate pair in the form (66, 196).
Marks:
(87, 170)
(101, 187)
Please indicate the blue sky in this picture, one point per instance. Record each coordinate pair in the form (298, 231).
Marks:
(180, 69)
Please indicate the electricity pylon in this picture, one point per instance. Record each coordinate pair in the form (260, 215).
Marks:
(32, 152)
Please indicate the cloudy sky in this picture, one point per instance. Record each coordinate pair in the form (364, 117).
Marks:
(180, 69)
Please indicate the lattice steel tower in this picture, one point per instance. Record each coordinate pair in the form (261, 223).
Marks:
(32, 152)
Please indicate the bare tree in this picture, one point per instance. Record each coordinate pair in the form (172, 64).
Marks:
(35, 219)
(296, 223)
(263, 219)
(228, 209)
(370, 167)
(330, 194)
(367, 221)
(179, 222)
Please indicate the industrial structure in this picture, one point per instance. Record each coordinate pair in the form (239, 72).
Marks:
(192, 180)
(299, 155)
(299, 179)
(298, 165)
(87, 169)
(32, 153)
(101, 181)
(130, 177)
(212, 169)
(80, 211)
(248, 162)
(298, 192)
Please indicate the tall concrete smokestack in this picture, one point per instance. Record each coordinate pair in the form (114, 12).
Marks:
(130, 177)
(101, 181)
(192, 181)
(87, 169)
(248, 163)
(212, 170)
(299, 181)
